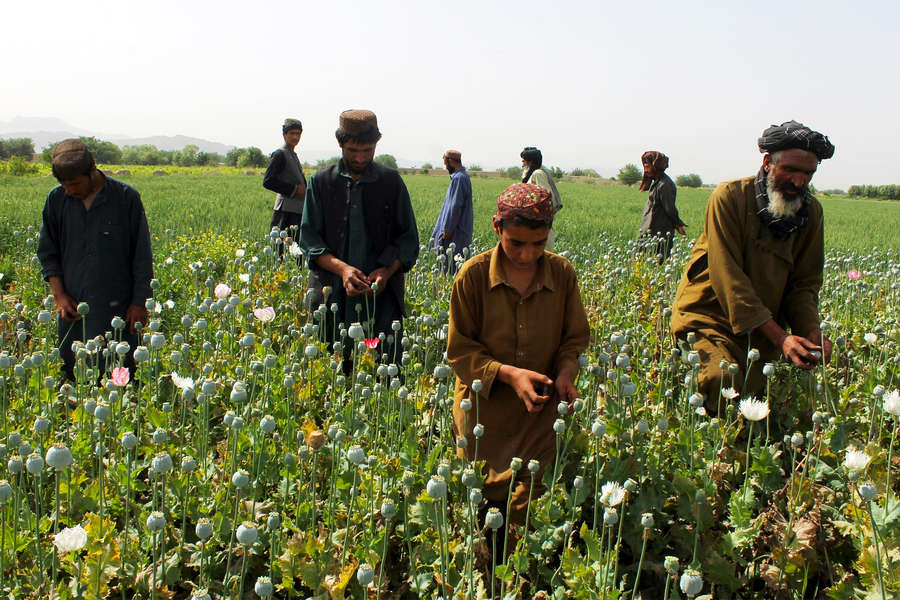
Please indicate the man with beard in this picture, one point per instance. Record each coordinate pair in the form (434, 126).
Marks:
(359, 235)
(454, 223)
(533, 172)
(756, 270)
(661, 218)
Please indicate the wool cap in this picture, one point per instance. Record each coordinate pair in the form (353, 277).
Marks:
(71, 158)
(290, 124)
(356, 122)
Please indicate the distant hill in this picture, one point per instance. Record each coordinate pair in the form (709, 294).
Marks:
(45, 131)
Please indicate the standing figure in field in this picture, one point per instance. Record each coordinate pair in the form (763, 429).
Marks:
(517, 324)
(534, 172)
(661, 218)
(94, 248)
(359, 235)
(284, 176)
(756, 270)
(454, 223)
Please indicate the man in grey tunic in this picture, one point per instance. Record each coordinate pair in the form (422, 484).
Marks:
(661, 218)
(284, 176)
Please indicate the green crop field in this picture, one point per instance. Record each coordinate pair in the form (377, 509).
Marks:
(238, 460)
(196, 201)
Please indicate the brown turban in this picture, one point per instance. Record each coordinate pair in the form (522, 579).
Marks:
(658, 161)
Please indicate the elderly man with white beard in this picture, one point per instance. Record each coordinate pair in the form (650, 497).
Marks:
(754, 275)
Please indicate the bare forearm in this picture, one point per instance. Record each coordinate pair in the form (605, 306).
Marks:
(331, 263)
(773, 332)
(56, 285)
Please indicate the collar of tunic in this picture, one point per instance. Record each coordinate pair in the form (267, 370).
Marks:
(497, 274)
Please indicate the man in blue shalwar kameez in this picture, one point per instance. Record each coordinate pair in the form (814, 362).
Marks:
(454, 224)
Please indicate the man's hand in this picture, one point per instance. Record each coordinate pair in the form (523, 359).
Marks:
(565, 388)
(446, 235)
(816, 337)
(797, 350)
(355, 281)
(135, 314)
(301, 190)
(379, 278)
(526, 383)
(65, 306)
(680, 229)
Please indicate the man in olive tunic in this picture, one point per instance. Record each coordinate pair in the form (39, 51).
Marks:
(94, 248)
(517, 324)
(661, 218)
(284, 176)
(756, 270)
(359, 235)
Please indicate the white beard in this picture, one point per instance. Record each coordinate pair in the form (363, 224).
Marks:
(779, 206)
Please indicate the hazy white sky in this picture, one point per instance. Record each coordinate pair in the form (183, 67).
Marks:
(593, 84)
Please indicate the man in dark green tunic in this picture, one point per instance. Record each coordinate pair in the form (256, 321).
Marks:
(756, 270)
(94, 248)
(359, 234)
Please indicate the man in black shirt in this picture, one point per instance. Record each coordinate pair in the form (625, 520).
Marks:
(94, 249)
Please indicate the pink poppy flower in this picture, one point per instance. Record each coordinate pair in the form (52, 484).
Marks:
(853, 274)
(222, 290)
(264, 314)
(371, 343)
(120, 376)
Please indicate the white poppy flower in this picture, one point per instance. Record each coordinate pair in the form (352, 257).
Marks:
(70, 539)
(182, 382)
(753, 409)
(612, 493)
(856, 460)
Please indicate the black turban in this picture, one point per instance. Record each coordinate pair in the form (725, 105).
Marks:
(532, 155)
(795, 135)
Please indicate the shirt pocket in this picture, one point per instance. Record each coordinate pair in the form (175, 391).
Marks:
(112, 239)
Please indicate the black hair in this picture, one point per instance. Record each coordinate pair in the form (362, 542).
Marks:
(524, 222)
(370, 136)
(532, 155)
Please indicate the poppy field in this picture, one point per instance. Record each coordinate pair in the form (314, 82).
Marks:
(238, 461)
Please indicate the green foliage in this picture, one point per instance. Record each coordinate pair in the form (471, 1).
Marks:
(579, 172)
(143, 154)
(693, 180)
(245, 157)
(513, 172)
(386, 160)
(556, 172)
(187, 156)
(325, 163)
(252, 157)
(20, 147)
(474, 168)
(630, 174)
(889, 192)
(18, 166)
(104, 152)
(427, 167)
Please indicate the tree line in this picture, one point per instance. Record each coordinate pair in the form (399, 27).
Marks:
(889, 192)
(106, 152)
